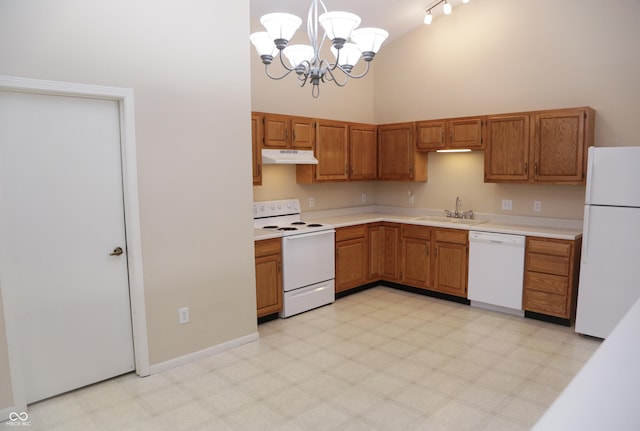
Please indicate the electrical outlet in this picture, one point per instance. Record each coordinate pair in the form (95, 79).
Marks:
(363, 198)
(537, 206)
(183, 315)
(312, 202)
(507, 204)
(412, 199)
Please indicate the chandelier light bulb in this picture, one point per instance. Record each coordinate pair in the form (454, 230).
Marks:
(446, 8)
(465, 1)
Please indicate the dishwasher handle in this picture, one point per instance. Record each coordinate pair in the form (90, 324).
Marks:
(496, 238)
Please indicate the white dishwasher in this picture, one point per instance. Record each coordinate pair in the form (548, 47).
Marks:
(496, 271)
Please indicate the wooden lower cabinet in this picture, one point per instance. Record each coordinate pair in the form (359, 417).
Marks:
(352, 253)
(416, 256)
(450, 261)
(551, 277)
(268, 255)
(390, 238)
(376, 251)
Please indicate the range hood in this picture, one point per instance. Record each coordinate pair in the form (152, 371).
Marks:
(288, 157)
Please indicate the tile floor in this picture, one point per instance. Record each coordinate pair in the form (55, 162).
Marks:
(381, 359)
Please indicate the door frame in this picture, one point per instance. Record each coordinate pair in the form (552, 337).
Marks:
(125, 99)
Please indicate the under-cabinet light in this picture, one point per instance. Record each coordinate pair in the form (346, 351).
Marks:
(458, 150)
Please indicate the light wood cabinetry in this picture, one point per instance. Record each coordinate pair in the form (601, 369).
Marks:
(268, 261)
(539, 147)
(449, 134)
(551, 277)
(257, 137)
(390, 237)
(397, 155)
(416, 256)
(284, 131)
(352, 251)
(363, 152)
(332, 152)
(450, 261)
(376, 251)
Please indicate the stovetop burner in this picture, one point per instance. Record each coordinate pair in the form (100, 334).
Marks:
(287, 228)
(298, 222)
(270, 227)
(314, 225)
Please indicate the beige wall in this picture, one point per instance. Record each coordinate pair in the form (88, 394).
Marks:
(495, 56)
(193, 142)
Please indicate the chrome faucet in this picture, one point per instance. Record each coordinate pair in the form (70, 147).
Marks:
(456, 214)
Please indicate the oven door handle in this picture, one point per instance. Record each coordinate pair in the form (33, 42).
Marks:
(307, 235)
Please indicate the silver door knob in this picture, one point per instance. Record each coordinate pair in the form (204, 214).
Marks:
(116, 251)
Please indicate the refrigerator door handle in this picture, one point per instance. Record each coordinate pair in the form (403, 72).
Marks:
(586, 235)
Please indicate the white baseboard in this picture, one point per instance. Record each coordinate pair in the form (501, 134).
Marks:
(201, 354)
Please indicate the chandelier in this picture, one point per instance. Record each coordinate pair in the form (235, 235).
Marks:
(339, 28)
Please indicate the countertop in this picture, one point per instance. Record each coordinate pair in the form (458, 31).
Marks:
(516, 225)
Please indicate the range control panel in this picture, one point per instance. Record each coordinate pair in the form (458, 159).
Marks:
(276, 208)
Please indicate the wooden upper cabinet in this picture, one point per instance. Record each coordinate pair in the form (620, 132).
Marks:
(539, 147)
(284, 131)
(363, 152)
(506, 156)
(431, 134)
(397, 156)
(454, 133)
(560, 140)
(332, 152)
(256, 148)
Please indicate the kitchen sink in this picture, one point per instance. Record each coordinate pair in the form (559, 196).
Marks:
(460, 221)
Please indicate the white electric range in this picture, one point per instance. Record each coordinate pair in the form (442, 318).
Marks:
(308, 255)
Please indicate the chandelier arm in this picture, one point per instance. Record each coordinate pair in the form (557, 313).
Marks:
(350, 75)
(276, 78)
(290, 69)
(329, 72)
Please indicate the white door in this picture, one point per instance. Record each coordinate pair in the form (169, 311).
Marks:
(61, 215)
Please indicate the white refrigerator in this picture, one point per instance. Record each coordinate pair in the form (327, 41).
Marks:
(610, 262)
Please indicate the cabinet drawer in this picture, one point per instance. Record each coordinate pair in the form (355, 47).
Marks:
(546, 283)
(413, 231)
(455, 236)
(547, 246)
(268, 247)
(350, 232)
(548, 264)
(545, 303)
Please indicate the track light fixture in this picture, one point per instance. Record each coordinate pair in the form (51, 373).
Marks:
(446, 9)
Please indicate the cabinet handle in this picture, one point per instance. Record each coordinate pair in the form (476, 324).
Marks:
(451, 135)
(526, 168)
(293, 135)
(286, 134)
(442, 137)
(346, 169)
(411, 170)
(435, 254)
(535, 169)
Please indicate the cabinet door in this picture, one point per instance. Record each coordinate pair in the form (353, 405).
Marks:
(363, 152)
(302, 133)
(276, 131)
(268, 285)
(431, 135)
(256, 148)
(450, 269)
(376, 251)
(396, 149)
(351, 263)
(391, 244)
(465, 133)
(559, 146)
(331, 151)
(416, 263)
(506, 156)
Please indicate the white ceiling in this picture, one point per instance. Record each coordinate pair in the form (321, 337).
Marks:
(398, 17)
